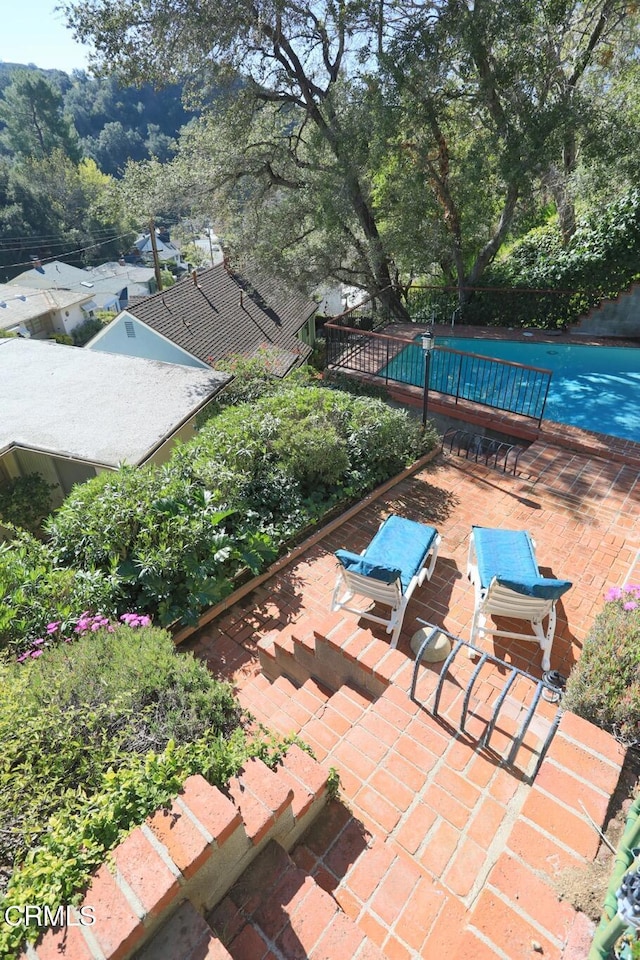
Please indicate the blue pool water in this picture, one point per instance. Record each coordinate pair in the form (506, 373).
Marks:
(592, 387)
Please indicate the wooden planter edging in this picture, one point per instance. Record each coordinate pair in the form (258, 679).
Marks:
(240, 592)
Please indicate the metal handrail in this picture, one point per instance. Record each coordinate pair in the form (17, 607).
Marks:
(457, 644)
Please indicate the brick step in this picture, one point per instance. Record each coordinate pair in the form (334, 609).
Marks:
(193, 851)
(277, 909)
(337, 651)
(186, 936)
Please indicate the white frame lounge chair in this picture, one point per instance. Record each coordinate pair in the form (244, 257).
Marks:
(400, 558)
(503, 569)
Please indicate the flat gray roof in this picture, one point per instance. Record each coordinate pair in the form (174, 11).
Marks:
(100, 407)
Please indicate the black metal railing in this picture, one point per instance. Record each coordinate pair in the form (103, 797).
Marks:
(540, 689)
(499, 384)
(481, 449)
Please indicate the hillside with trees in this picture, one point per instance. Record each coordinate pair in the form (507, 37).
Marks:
(373, 144)
(64, 142)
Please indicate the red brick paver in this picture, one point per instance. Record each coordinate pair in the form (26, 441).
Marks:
(443, 850)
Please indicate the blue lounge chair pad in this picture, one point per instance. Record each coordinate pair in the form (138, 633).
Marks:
(401, 544)
(356, 563)
(507, 554)
(544, 588)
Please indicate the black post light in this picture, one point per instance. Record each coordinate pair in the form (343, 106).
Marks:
(427, 347)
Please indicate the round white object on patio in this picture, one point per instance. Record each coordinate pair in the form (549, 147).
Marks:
(436, 651)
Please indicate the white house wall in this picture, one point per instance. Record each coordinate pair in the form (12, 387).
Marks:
(69, 318)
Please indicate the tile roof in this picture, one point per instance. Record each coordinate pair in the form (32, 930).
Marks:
(221, 313)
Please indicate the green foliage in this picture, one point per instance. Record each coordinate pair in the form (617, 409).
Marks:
(253, 377)
(86, 330)
(33, 124)
(601, 260)
(333, 784)
(604, 686)
(359, 388)
(161, 534)
(95, 735)
(26, 501)
(34, 591)
(171, 540)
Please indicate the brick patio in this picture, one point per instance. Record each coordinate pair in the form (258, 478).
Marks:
(438, 848)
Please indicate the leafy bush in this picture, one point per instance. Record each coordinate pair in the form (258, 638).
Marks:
(170, 540)
(159, 533)
(96, 735)
(600, 261)
(253, 377)
(34, 591)
(604, 686)
(86, 330)
(359, 388)
(26, 501)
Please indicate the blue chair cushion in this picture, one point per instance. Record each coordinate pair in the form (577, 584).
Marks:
(401, 544)
(504, 553)
(356, 563)
(542, 587)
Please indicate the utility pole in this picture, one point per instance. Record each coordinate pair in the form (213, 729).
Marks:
(154, 247)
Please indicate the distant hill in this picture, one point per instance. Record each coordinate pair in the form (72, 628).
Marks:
(115, 123)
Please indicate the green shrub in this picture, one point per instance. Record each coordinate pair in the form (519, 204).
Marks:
(600, 261)
(359, 388)
(34, 591)
(26, 501)
(170, 540)
(604, 686)
(82, 706)
(86, 330)
(95, 735)
(162, 535)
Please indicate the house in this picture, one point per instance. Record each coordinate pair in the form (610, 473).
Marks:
(69, 414)
(110, 284)
(42, 313)
(211, 315)
(169, 254)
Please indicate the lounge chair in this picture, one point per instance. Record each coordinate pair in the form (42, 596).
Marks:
(503, 569)
(400, 557)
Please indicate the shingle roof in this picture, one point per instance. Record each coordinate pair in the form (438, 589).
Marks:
(220, 313)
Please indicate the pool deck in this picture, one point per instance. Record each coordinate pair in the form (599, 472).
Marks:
(438, 848)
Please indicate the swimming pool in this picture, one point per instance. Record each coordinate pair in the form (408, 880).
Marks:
(592, 387)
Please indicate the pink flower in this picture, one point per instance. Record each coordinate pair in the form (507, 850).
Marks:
(613, 593)
(52, 627)
(36, 653)
(630, 605)
(38, 642)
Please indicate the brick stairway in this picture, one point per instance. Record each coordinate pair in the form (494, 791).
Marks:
(438, 848)
(277, 909)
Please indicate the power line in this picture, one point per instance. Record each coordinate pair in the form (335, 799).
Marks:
(47, 238)
(68, 253)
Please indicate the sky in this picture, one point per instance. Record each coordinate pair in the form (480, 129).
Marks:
(32, 31)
